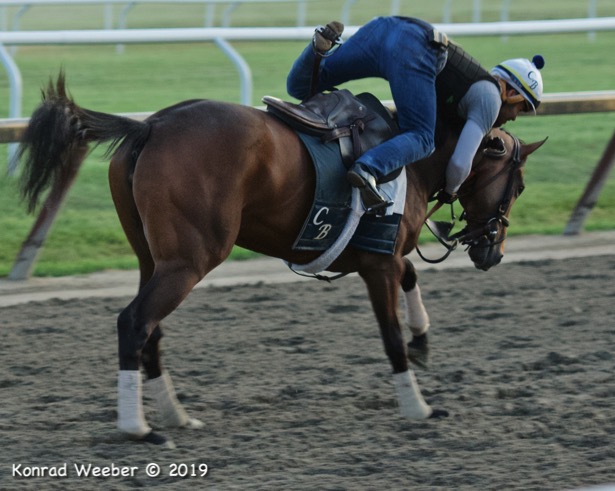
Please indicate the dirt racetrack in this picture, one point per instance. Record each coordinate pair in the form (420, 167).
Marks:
(295, 390)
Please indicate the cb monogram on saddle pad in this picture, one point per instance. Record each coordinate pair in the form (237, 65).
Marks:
(324, 228)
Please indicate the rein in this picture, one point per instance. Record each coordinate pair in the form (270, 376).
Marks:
(440, 232)
(489, 231)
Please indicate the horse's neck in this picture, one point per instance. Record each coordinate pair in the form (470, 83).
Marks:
(431, 171)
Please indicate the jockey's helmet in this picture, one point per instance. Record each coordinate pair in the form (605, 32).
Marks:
(524, 76)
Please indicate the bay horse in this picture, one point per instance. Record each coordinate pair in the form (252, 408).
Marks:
(197, 177)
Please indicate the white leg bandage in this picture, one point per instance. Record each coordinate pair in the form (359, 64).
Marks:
(171, 411)
(130, 417)
(416, 315)
(411, 402)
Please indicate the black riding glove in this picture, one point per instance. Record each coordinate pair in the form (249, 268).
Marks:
(446, 198)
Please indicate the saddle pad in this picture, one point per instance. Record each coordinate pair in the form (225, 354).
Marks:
(332, 197)
(331, 207)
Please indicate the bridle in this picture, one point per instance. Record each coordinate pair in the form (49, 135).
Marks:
(491, 226)
(485, 236)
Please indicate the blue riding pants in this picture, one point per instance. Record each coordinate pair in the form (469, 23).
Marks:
(395, 49)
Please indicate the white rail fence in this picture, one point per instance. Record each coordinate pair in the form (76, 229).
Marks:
(222, 36)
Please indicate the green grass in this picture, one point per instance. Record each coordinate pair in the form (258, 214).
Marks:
(87, 236)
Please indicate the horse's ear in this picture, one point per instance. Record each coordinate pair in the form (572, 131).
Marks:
(530, 148)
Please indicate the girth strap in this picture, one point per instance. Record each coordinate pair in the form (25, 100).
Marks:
(349, 138)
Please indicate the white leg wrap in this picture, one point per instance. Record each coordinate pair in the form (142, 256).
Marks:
(130, 417)
(411, 402)
(170, 410)
(416, 315)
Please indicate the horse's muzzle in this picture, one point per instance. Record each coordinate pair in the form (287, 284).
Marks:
(487, 264)
(485, 254)
(486, 244)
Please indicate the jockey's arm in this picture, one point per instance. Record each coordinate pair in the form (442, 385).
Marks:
(460, 163)
(479, 107)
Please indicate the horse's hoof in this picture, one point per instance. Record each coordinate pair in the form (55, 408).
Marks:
(155, 439)
(438, 413)
(418, 351)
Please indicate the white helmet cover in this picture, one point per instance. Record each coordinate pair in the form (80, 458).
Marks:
(524, 76)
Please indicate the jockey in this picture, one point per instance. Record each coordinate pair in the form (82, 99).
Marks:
(427, 74)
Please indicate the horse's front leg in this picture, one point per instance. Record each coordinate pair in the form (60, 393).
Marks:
(417, 318)
(383, 287)
(159, 386)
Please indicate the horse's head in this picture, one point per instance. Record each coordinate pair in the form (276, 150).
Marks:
(487, 196)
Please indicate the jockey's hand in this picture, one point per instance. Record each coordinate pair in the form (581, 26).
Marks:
(446, 198)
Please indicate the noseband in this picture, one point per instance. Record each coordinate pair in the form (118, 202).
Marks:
(486, 235)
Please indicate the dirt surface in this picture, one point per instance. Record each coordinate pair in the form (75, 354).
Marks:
(295, 390)
(124, 283)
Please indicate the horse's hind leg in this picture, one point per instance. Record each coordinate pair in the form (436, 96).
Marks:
(162, 294)
(383, 283)
(159, 384)
(417, 318)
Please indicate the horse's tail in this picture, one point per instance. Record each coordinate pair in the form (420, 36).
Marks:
(56, 140)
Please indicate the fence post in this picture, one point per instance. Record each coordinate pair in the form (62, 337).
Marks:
(16, 90)
(590, 195)
(31, 247)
